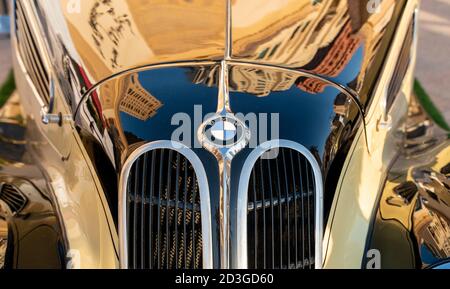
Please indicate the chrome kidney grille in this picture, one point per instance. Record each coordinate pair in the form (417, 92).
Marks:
(281, 213)
(164, 226)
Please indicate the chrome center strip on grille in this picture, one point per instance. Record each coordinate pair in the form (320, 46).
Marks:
(224, 154)
(242, 203)
(205, 204)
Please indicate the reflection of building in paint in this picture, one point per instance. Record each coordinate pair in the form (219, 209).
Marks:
(340, 129)
(250, 80)
(334, 62)
(340, 53)
(299, 33)
(342, 105)
(312, 85)
(373, 31)
(206, 75)
(118, 35)
(433, 232)
(260, 82)
(137, 101)
(293, 35)
(107, 95)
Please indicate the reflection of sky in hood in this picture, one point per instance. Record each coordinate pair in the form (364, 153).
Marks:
(174, 88)
(304, 117)
(352, 69)
(427, 256)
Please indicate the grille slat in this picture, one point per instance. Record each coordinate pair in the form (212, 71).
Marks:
(286, 183)
(163, 200)
(272, 209)
(177, 197)
(29, 51)
(255, 214)
(280, 210)
(281, 192)
(160, 213)
(169, 183)
(143, 210)
(135, 215)
(151, 209)
(185, 212)
(264, 218)
(295, 209)
(308, 212)
(194, 218)
(299, 159)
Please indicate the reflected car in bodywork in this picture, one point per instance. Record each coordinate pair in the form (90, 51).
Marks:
(220, 134)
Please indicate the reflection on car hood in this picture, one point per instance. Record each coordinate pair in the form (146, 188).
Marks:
(341, 40)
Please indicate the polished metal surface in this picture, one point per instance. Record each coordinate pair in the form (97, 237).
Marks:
(204, 197)
(224, 132)
(32, 49)
(242, 203)
(396, 77)
(224, 155)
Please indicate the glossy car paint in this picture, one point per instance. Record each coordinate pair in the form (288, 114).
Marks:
(56, 150)
(357, 192)
(35, 225)
(411, 223)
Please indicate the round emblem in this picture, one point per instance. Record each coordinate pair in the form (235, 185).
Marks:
(224, 130)
(221, 132)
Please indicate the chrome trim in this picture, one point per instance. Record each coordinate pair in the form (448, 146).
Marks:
(228, 32)
(35, 27)
(205, 203)
(379, 93)
(223, 103)
(414, 21)
(228, 149)
(242, 201)
(224, 158)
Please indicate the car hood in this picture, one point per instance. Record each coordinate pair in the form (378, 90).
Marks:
(340, 40)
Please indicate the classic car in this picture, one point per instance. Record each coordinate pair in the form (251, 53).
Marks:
(250, 134)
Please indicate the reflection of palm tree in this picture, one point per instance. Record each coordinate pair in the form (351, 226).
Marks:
(104, 8)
